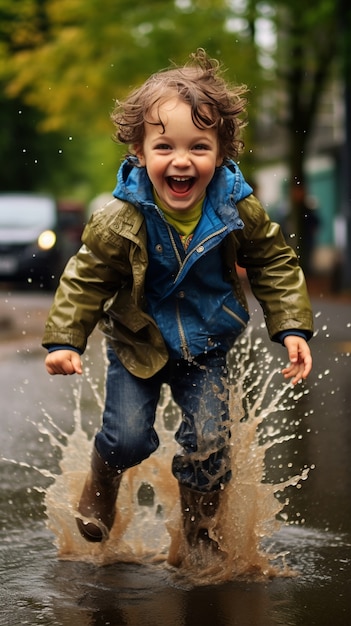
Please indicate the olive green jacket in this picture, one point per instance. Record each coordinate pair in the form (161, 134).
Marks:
(104, 284)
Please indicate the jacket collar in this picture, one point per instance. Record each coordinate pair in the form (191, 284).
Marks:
(227, 187)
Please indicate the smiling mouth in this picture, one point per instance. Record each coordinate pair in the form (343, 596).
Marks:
(180, 184)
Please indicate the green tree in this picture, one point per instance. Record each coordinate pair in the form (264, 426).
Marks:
(307, 53)
(30, 160)
(70, 59)
(88, 52)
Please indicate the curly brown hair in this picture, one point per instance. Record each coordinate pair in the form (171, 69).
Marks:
(214, 103)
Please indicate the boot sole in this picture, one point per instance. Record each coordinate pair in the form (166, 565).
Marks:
(91, 532)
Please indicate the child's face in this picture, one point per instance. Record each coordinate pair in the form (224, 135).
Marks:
(181, 161)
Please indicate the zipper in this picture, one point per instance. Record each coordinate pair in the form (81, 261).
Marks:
(234, 315)
(174, 246)
(183, 342)
(201, 243)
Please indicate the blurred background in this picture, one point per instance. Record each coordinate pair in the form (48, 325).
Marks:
(63, 64)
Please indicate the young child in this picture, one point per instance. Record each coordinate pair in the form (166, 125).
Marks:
(157, 270)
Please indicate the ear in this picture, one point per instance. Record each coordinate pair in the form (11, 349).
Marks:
(138, 150)
(219, 160)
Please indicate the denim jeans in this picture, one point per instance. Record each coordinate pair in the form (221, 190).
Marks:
(128, 436)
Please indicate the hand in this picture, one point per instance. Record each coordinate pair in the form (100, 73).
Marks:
(63, 362)
(300, 359)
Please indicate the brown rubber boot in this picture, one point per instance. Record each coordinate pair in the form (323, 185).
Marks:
(198, 511)
(98, 500)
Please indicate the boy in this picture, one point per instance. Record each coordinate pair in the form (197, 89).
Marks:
(157, 271)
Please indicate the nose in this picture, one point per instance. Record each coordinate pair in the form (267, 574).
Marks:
(181, 159)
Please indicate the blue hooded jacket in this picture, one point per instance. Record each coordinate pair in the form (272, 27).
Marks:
(188, 297)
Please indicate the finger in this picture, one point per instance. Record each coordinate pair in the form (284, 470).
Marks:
(50, 365)
(71, 365)
(51, 370)
(307, 365)
(293, 371)
(293, 352)
(290, 370)
(76, 363)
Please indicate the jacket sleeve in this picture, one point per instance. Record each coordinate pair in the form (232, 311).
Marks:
(272, 267)
(86, 285)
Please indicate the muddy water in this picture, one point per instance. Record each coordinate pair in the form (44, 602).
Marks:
(50, 576)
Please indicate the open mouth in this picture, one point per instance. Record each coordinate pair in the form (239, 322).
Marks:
(180, 184)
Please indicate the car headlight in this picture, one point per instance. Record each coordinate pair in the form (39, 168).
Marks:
(46, 240)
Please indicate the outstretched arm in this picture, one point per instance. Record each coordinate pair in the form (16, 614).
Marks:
(300, 359)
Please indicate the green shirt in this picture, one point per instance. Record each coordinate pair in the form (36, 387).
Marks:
(184, 222)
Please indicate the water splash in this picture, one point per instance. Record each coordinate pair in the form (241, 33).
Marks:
(148, 525)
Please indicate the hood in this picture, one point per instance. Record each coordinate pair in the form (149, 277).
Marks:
(133, 184)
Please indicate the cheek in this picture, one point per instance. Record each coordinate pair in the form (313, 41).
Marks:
(209, 170)
(155, 169)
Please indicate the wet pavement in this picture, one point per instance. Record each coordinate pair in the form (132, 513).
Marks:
(39, 588)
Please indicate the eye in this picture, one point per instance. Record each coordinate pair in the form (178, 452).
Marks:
(163, 146)
(201, 147)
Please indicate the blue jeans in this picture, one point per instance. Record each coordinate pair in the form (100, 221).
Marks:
(128, 436)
